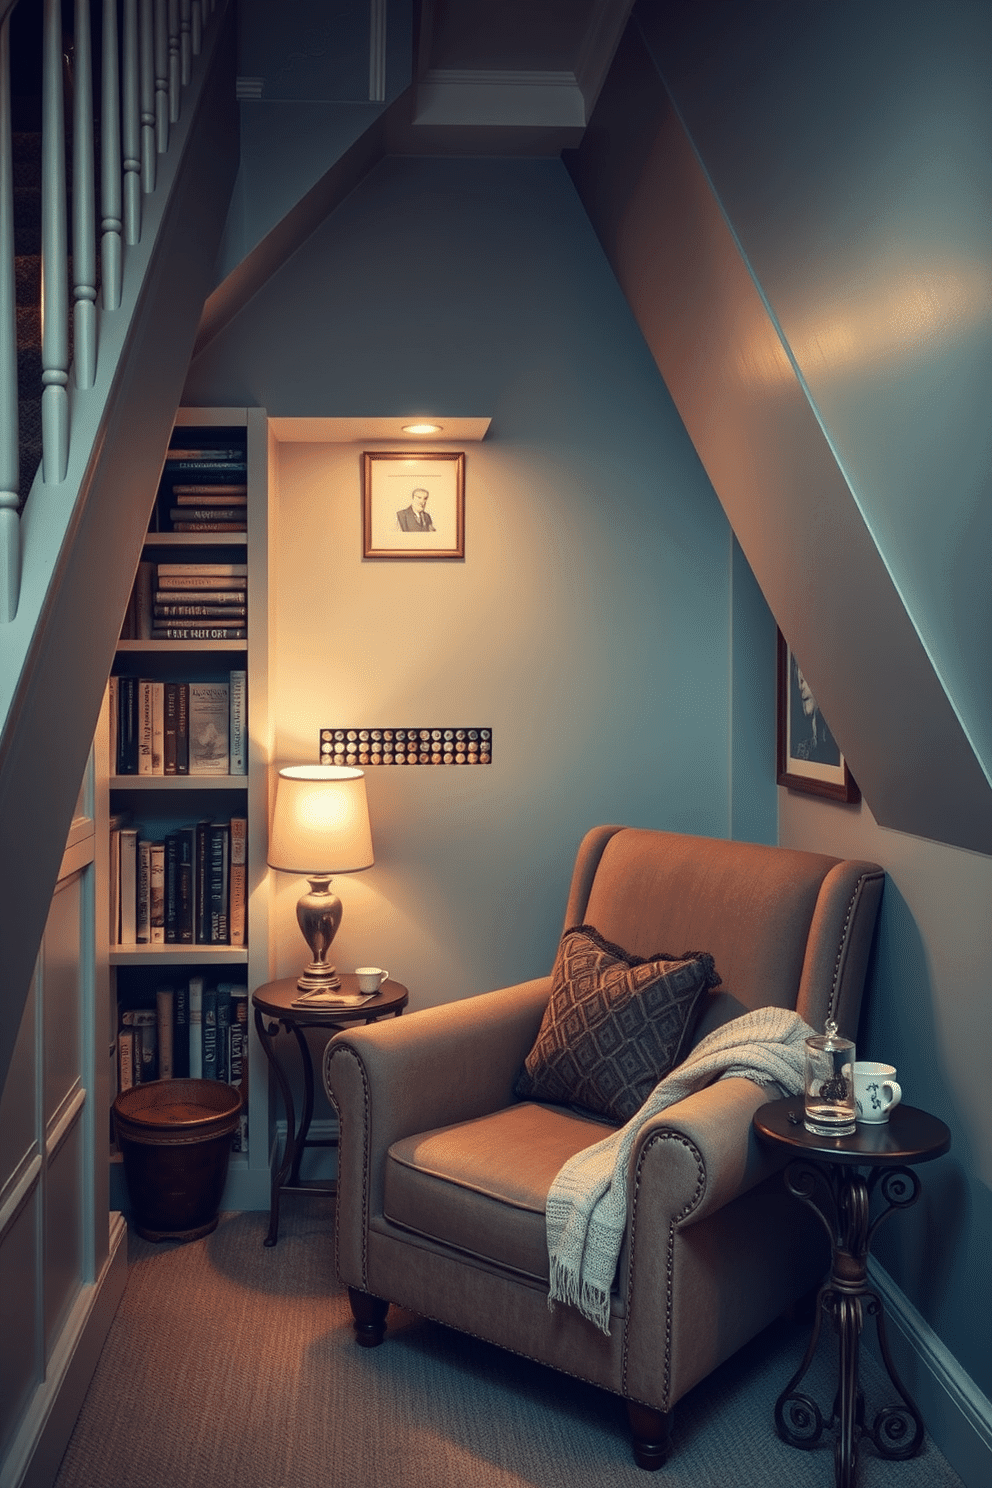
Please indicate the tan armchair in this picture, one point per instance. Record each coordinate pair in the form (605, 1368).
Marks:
(443, 1173)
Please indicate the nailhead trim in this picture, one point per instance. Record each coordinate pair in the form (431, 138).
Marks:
(661, 1136)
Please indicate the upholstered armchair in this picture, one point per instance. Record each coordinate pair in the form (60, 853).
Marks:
(444, 1171)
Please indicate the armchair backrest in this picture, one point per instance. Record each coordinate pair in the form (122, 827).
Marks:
(785, 928)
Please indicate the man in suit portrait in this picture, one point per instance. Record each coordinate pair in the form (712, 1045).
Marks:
(415, 517)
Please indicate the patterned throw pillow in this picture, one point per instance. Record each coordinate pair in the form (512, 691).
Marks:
(615, 1024)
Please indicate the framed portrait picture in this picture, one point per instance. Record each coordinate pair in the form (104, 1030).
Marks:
(414, 505)
(809, 758)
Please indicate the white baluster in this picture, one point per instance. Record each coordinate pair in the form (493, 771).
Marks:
(185, 43)
(146, 32)
(131, 125)
(10, 526)
(54, 255)
(111, 221)
(83, 206)
(161, 76)
(175, 72)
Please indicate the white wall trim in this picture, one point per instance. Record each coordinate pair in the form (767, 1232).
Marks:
(957, 1415)
(38, 1447)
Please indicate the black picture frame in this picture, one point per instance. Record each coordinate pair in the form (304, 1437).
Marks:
(809, 758)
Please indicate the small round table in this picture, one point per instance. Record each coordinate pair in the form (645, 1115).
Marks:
(838, 1177)
(273, 1004)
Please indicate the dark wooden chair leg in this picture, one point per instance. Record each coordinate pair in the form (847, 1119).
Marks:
(370, 1317)
(652, 1432)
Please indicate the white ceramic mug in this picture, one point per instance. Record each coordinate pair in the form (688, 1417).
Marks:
(876, 1090)
(370, 978)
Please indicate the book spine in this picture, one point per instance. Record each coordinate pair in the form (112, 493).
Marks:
(238, 728)
(171, 916)
(114, 886)
(182, 728)
(235, 466)
(196, 1027)
(209, 714)
(144, 581)
(219, 890)
(167, 613)
(170, 704)
(223, 1031)
(201, 493)
(209, 513)
(143, 911)
(210, 1033)
(201, 883)
(113, 699)
(180, 1031)
(238, 1062)
(146, 726)
(234, 632)
(144, 1021)
(127, 726)
(210, 592)
(238, 880)
(208, 526)
(125, 1059)
(129, 886)
(156, 893)
(158, 728)
(165, 1010)
(205, 455)
(184, 887)
(170, 574)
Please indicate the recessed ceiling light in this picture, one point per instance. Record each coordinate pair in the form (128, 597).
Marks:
(422, 428)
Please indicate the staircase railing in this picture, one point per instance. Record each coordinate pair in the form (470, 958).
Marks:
(143, 73)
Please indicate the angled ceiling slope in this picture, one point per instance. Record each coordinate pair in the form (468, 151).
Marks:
(763, 446)
(490, 77)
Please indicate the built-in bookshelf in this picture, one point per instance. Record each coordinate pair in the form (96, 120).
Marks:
(186, 789)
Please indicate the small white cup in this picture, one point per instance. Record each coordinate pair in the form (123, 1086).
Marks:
(876, 1091)
(370, 978)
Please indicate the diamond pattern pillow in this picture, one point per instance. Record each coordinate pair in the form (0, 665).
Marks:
(615, 1024)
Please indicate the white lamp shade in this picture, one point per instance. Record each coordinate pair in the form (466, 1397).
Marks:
(321, 821)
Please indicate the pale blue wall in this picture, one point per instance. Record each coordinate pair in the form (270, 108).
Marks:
(848, 145)
(591, 620)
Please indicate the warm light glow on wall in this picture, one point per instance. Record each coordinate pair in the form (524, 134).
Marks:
(422, 428)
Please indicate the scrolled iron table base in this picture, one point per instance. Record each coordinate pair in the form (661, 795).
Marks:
(842, 1180)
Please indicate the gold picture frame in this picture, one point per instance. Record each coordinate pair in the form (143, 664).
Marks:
(413, 504)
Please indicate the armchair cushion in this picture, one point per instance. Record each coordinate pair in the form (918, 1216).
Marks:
(615, 1024)
(481, 1186)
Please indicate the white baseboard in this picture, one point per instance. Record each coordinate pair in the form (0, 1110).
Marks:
(958, 1417)
(37, 1450)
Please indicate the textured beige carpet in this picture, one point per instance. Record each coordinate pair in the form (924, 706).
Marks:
(232, 1366)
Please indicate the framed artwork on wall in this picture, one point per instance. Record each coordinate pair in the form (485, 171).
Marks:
(809, 758)
(413, 505)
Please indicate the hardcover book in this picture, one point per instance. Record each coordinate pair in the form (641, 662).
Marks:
(238, 879)
(196, 1027)
(209, 711)
(238, 685)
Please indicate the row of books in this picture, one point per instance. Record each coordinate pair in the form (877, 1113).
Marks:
(188, 1027)
(189, 888)
(179, 728)
(204, 486)
(188, 602)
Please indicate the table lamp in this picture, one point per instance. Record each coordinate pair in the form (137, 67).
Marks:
(320, 826)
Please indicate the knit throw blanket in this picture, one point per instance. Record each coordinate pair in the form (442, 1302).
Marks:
(587, 1202)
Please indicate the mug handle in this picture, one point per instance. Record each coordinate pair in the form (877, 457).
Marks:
(895, 1090)
(385, 977)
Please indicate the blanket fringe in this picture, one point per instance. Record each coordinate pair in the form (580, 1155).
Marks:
(591, 1300)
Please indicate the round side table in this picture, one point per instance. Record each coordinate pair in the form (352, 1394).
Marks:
(273, 1004)
(838, 1178)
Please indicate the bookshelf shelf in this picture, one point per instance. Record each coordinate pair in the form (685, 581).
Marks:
(180, 695)
(178, 783)
(196, 540)
(159, 648)
(177, 955)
